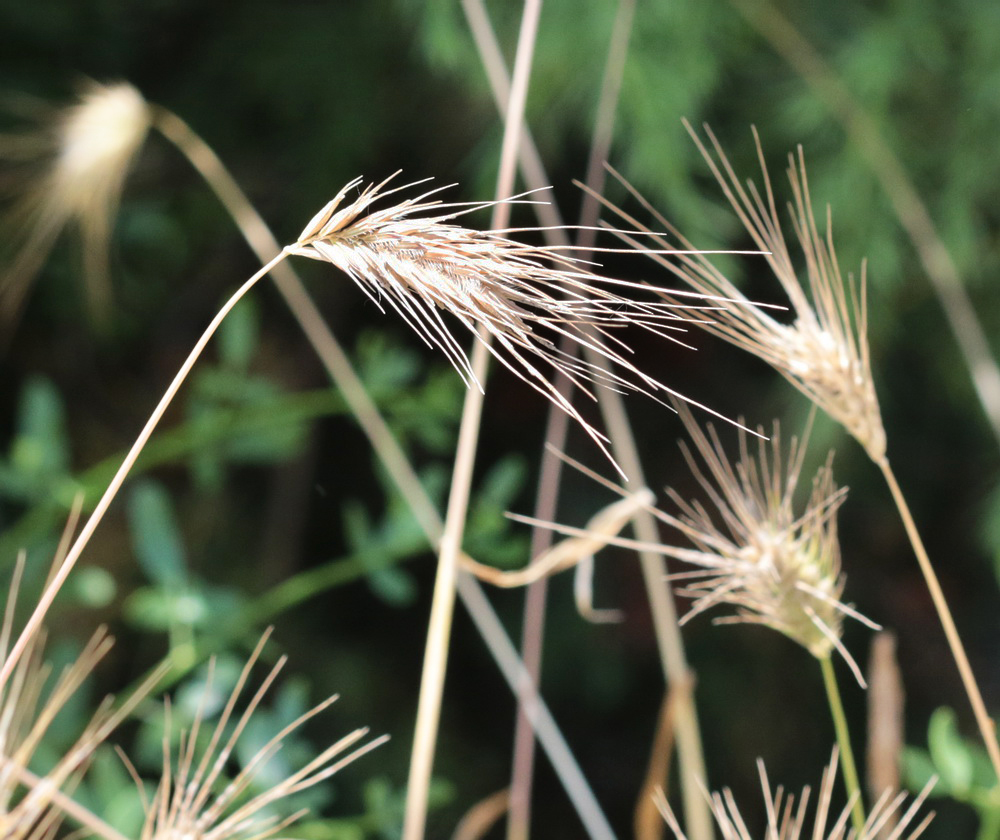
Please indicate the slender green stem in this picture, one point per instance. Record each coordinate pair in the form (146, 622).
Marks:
(987, 728)
(847, 765)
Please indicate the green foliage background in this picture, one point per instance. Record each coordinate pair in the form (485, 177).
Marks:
(259, 478)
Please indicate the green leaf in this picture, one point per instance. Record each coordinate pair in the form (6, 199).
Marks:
(156, 538)
(238, 335)
(950, 754)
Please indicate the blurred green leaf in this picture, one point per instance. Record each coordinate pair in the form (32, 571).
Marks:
(950, 754)
(37, 465)
(239, 334)
(156, 536)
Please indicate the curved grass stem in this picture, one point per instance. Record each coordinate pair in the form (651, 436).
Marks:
(80, 543)
(847, 766)
(987, 728)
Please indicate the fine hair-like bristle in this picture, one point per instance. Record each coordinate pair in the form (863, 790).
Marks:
(824, 352)
(412, 256)
(787, 820)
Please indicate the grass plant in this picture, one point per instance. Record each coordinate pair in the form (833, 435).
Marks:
(551, 318)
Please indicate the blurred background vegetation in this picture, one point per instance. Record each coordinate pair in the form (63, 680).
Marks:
(259, 477)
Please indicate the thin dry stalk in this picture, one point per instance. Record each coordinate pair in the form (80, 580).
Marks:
(885, 716)
(439, 626)
(533, 621)
(482, 816)
(647, 821)
(668, 636)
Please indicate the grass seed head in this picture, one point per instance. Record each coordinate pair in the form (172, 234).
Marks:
(74, 165)
(787, 820)
(777, 566)
(824, 351)
(412, 256)
(30, 702)
(195, 801)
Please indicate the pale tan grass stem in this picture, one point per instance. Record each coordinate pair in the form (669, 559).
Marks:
(557, 429)
(442, 606)
(987, 727)
(697, 813)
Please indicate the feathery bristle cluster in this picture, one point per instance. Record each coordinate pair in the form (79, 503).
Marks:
(195, 802)
(30, 805)
(85, 150)
(778, 567)
(414, 258)
(788, 821)
(824, 352)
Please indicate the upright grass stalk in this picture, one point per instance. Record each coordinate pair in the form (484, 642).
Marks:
(557, 426)
(439, 627)
(693, 779)
(847, 765)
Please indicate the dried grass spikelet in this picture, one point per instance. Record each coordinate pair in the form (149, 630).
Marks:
(778, 567)
(412, 256)
(194, 801)
(74, 164)
(824, 352)
(31, 806)
(788, 821)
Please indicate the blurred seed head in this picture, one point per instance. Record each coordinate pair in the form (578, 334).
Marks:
(887, 820)
(73, 164)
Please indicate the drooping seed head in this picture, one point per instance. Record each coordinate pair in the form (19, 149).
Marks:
(414, 257)
(824, 351)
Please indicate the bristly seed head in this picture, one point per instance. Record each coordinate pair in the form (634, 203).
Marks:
(824, 351)
(778, 567)
(788, 821)
(194, 801)
(414, 257)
